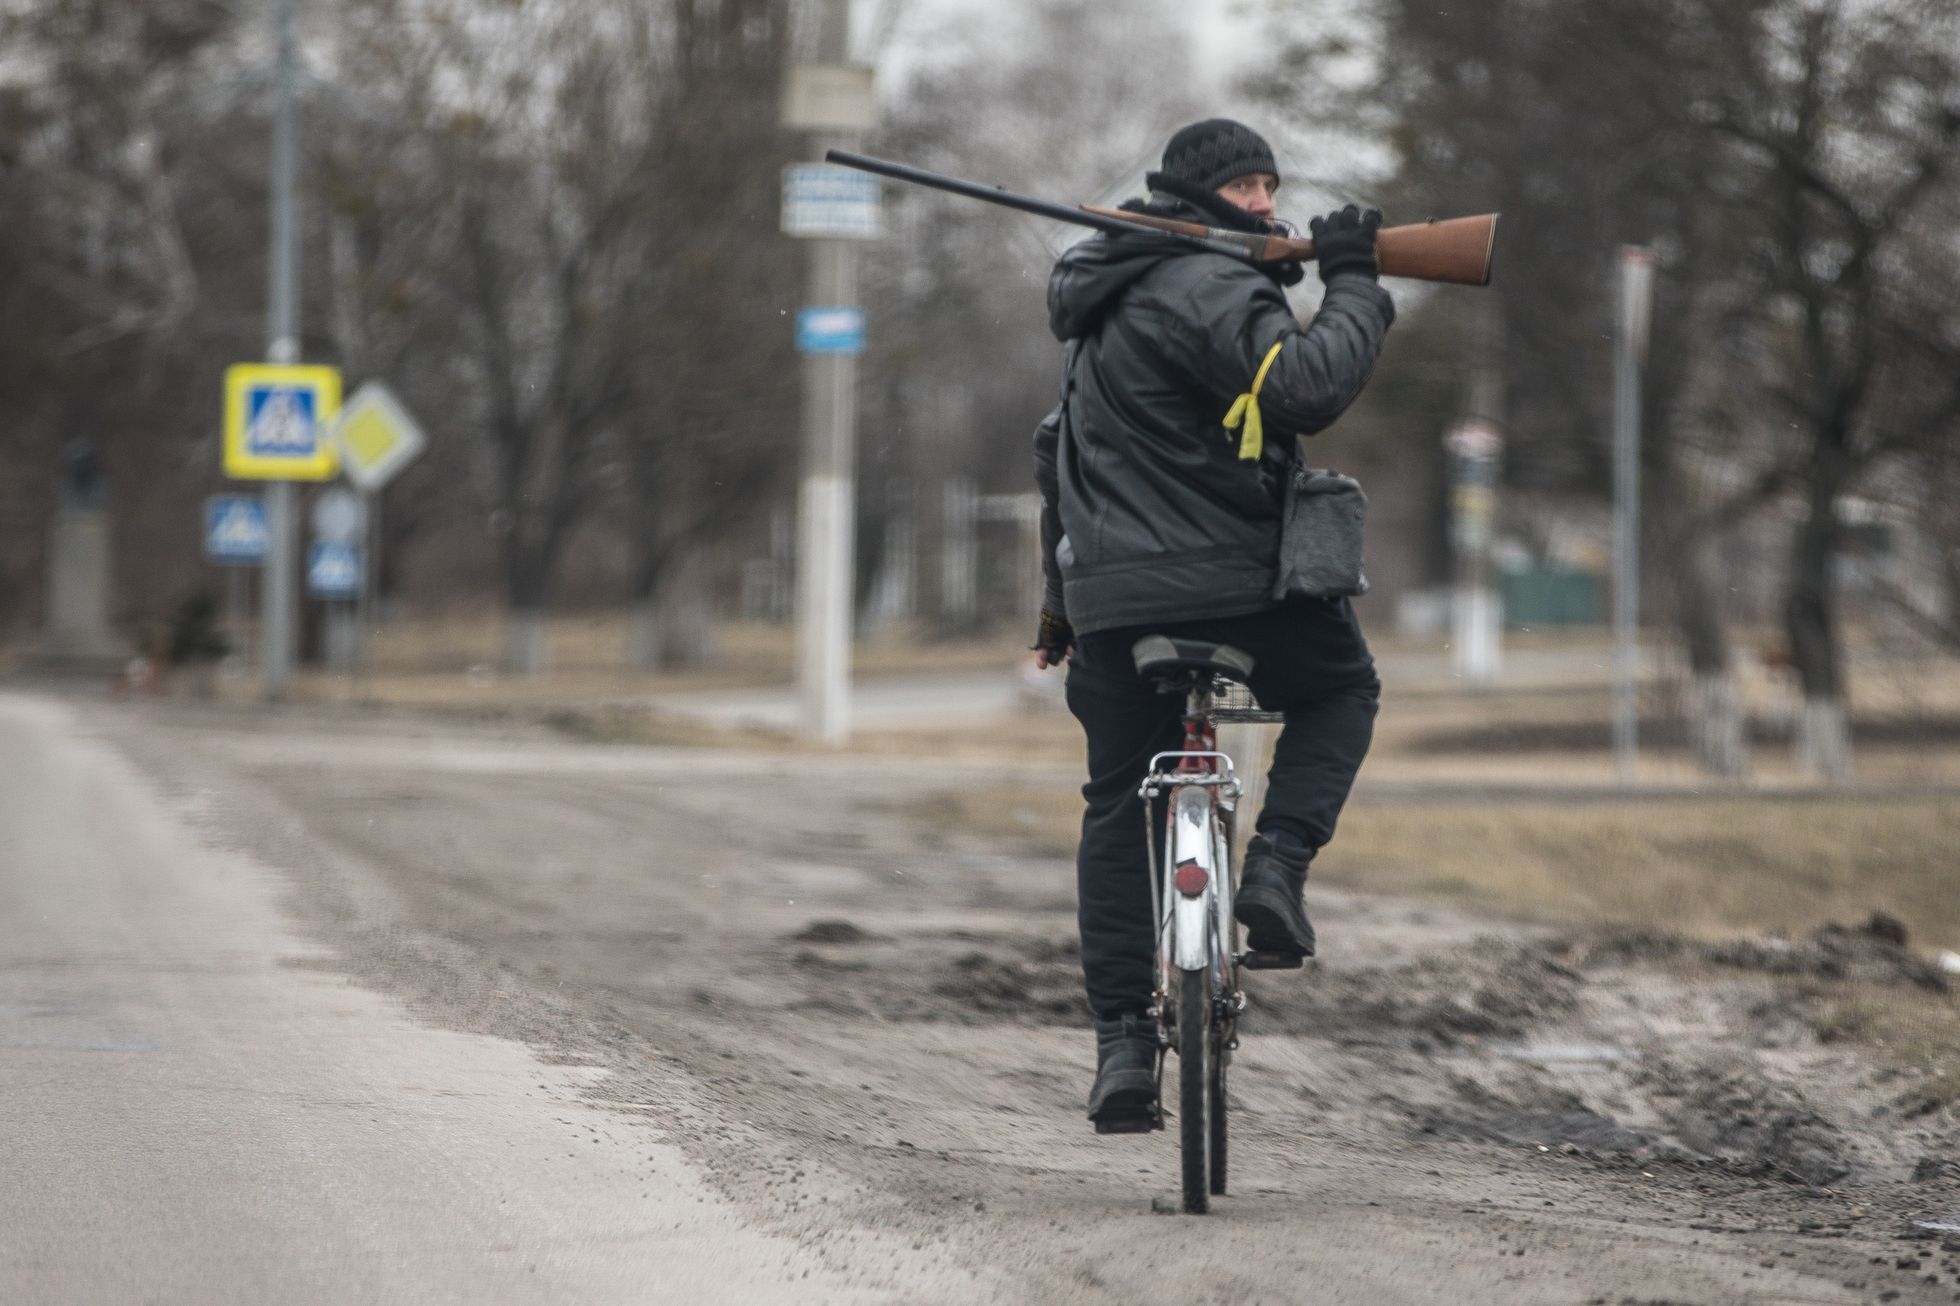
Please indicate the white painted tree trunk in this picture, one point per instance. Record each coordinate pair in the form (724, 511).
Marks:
(525, 651)
(1716, 723)
(678, 631)
(643, 636)
(1824, 741)
(688, 635)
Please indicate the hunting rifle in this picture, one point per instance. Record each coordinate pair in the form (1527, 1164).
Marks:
(1456, 250)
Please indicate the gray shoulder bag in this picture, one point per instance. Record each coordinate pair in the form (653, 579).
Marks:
(1320, 535)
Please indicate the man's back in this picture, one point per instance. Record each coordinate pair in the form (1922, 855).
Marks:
(1161, 515)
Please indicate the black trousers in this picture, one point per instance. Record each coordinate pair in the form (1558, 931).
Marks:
(1310, 662)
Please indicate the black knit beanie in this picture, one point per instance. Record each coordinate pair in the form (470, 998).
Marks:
(1203, 157)
(1208, 154)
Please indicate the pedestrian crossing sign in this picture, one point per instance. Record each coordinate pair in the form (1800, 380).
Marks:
(279, 422)
(333, 570)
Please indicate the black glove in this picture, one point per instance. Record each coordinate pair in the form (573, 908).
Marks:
(1344, 242)
(1054, 636)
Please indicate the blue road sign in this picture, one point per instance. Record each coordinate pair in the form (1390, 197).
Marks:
(333, 570)
(234, 529)
(830, 330)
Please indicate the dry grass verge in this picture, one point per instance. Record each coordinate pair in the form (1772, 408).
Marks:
(1702, 867)
(1697, 866)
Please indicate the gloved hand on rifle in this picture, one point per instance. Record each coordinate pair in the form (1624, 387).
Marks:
(1054, 640)
(1344, 242)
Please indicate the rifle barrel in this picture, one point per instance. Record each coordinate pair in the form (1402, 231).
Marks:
(974, 190)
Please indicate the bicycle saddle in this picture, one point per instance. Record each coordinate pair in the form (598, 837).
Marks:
(1159, 656)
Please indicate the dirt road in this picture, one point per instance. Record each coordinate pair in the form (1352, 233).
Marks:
(864, 1030)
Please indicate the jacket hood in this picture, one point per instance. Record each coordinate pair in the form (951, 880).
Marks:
(1092, 275)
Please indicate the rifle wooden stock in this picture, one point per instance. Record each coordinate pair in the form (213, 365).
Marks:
(1455, 250)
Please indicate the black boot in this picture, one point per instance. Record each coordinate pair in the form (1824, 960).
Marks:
(1269, 899)
(1123, 1099)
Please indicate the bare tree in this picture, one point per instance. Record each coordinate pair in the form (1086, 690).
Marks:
(537, 151)
(1780, 154)
(713, 437)
(112, 318)
(1851, 118)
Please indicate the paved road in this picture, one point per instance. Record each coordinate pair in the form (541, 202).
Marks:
(194, 1108)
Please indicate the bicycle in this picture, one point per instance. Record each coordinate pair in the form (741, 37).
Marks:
(1198, 1000)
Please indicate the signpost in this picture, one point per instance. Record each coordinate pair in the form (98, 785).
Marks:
(277, 422)
(270, 414)
(826, 200)
(234, 529)
(833, 101)
(333, 569)
(235, 537)
(278, 428)
(377, 438)
(830, 331)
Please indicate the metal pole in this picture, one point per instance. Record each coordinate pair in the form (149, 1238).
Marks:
(1636, 267)
(367, 606)
(282, 318)
(827, 516)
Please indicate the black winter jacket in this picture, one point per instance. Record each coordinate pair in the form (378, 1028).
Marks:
(1148, 513)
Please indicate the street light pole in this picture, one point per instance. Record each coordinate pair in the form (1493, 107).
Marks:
(277, 616)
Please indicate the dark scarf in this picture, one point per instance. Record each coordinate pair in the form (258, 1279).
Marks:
(1168, 194)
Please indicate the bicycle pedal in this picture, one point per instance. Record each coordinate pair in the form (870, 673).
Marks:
(1272, 961)
(1141, 1122)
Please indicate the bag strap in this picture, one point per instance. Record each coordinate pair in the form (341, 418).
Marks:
(1246, 409)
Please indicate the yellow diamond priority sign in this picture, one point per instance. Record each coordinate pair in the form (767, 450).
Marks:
(377, 437)
(279, 422)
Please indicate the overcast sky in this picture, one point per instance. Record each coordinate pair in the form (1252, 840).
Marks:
(1225, 44)
(1219, 31)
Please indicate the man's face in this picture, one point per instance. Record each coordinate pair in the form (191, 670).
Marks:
(1252, 192)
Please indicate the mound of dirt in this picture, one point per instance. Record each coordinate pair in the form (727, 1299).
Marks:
(834, 932)
(1492, 989)
(1872, 953)
(982, 986)
(1751, 1124)
(1548, 1118)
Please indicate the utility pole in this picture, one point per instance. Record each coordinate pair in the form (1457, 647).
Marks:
(832, 100)
(279, 611)
(1476, 445)
(1636, 283)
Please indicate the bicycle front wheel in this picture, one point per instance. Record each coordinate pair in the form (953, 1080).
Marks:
(1215, 1105)
(1194, 1055)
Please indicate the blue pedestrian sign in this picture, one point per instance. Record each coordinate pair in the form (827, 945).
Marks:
(234, 529)
(333, 570)
(830, 331)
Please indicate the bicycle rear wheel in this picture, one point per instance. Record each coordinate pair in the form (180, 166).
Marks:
(1194, 1045)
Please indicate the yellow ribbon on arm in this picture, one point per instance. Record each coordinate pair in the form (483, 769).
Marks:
(1246, 409)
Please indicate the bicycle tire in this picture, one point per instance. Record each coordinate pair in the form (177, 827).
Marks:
(1194, 1021)
(1215, 1112)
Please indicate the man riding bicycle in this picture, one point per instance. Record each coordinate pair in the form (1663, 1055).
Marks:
(1157, 519)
